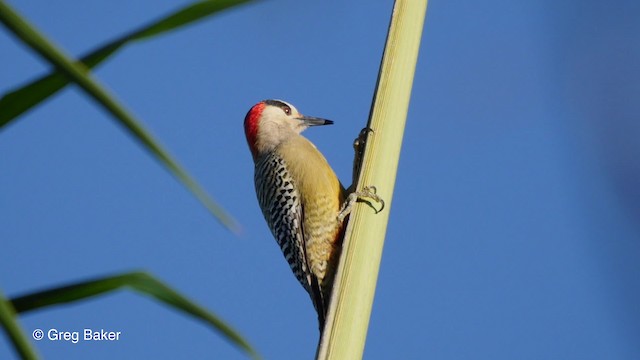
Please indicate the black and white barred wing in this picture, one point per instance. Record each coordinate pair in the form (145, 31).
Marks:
(280, 203)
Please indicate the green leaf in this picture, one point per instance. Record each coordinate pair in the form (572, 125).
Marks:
(14, 331)
(16, 102)
(81, 75)
(138, 281)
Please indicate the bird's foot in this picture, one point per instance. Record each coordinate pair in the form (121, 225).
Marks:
(361, 140)
(368, 192)
(358, 147)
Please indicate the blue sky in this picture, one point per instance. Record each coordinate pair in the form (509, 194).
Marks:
(514, 229)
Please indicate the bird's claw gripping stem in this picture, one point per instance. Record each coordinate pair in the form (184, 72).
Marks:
(358, 147)
(368, 192)
(358, 143)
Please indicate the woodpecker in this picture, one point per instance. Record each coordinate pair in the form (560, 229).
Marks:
(299, 194)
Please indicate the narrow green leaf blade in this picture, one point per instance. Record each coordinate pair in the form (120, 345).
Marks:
(184, 16)
(16, 102)
(14, 331)
(80, 74)
(140, 282)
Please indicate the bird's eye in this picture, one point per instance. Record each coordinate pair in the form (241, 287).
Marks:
(286, 109)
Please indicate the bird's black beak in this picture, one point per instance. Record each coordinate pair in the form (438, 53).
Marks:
(314, 121)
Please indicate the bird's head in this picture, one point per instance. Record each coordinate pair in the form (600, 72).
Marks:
(271, 122)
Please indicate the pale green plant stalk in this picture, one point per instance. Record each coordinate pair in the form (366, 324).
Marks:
(345, 332)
